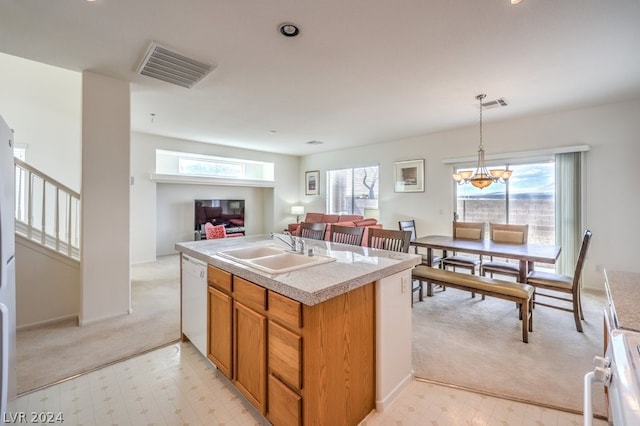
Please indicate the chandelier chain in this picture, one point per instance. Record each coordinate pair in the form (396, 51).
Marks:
(480, 98)
(482, 177)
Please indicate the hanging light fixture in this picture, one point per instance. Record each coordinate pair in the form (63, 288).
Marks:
(482, 177)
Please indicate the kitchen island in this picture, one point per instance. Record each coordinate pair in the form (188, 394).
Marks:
(322, 344)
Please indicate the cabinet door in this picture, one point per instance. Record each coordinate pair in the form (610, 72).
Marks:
(220, 341)
(250, 362)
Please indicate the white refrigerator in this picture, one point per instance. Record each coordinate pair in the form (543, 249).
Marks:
(7, 269)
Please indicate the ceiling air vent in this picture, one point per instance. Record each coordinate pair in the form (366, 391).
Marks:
(166, 65)
(502, 102)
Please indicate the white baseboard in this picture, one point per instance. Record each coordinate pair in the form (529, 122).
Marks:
(49, 321)
(381, 405)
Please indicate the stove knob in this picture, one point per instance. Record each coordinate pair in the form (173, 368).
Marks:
(602, 375)
(602, 361)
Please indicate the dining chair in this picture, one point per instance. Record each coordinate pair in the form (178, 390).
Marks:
(214, 231)
(563, 284)
(314, 231)
(410, 225)
(218, 231)
(466, 231)
(389, 239)
(346, 234)
(505, 234)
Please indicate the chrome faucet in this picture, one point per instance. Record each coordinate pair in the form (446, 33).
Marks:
(293, 244)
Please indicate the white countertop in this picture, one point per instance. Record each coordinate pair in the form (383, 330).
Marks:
(623, 291)
(354, 267)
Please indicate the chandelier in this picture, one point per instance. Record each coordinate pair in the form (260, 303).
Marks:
(482, 177)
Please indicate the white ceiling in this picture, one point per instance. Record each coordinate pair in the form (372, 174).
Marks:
(360, 72)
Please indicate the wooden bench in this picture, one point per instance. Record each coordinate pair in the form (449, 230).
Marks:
(522, 294)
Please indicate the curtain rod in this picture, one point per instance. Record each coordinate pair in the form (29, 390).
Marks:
(520, 154)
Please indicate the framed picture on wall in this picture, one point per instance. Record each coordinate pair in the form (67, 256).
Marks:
(409, 176)
(312, 182)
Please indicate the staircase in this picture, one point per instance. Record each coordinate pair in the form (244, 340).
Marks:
(47, 212)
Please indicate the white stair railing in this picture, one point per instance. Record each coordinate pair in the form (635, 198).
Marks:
(47, 211)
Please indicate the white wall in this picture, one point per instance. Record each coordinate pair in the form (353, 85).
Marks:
(42, 104)
(162, 214)
(106, 290)
(48, 285)
(612, 131)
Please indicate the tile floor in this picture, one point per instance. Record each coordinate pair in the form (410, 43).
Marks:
(176, 385)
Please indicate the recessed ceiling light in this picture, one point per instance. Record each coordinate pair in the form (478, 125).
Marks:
(289, 30)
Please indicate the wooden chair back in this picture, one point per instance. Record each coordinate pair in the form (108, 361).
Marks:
(408, 225)
(346, 234)
(468, 230)
(214, 231)
(314, 231)
(586, 240)
(558, 283)
(507, 233)
(389, 239)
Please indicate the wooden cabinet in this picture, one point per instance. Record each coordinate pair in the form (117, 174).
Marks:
(297, 364)
(285, 361)
(250, 342)
(220, 331)
(321, 359)
(220, 324)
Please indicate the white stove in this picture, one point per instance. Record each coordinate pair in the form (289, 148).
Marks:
(619, 371)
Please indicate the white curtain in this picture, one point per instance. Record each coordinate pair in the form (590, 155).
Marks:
(568, 210)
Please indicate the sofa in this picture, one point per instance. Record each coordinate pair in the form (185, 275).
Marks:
(335, 219)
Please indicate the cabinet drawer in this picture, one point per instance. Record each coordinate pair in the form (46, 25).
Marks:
(219, 278)
(285, 355)
(285, 406)
(285, 310)
(250, 294)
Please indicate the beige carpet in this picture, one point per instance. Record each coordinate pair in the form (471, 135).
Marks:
(50, 353)
(478, 345)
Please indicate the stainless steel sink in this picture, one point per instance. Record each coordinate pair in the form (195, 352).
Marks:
(273, 259)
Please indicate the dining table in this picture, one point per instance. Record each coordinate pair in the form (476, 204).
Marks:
(527, 254)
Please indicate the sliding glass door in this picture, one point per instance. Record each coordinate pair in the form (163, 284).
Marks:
(527, 198)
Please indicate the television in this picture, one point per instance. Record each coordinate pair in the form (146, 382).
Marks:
(229, 213)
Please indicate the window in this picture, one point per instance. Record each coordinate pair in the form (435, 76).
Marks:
(209, 166)
(545, 191)
(192, 166)
(527, 198)
(351, 191)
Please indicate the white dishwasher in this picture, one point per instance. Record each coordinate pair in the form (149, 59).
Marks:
(194, 302)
